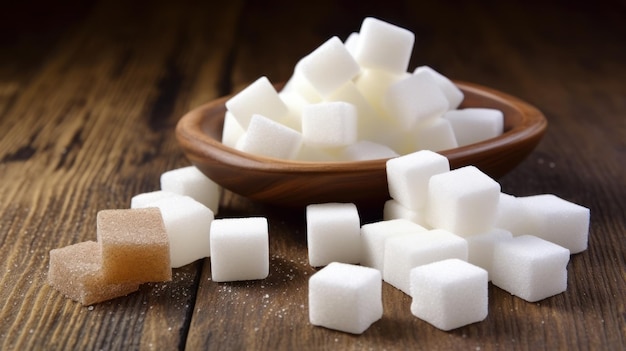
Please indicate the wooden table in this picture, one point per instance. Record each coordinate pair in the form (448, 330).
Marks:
(90, 93)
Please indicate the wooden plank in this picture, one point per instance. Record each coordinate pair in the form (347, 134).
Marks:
(83, 129)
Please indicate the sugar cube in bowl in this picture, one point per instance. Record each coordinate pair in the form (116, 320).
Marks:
(299, 183)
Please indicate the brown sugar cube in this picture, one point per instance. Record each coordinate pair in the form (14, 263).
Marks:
(134, 245)
(75, 271)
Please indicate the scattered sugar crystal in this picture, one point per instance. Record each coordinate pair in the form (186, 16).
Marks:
(408, 176)
(404, 252)
(260, 97)
(329, 66)
(134, 244)
(384, 46)
(76, 272)
(463, 201)
(187, 224)
(239, 249)
(530, 267)
(192, 182)
(330, 124)
(374, 236)
(480, 247)
(449, 294)
(333, 233)
(345, 297)
(557, 220)
(268, 138)
(472, 125)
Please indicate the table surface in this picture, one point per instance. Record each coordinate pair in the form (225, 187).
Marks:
(90, 94)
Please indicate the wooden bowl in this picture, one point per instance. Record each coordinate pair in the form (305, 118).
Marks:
(299, 183)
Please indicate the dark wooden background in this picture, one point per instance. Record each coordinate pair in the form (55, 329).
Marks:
(90, 93)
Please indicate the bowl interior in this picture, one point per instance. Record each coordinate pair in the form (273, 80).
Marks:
(298, 183)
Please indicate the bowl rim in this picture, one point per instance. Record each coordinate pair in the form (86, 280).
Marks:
(189, 128)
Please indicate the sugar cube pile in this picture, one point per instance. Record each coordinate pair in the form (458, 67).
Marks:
(445, 233)
(344, 96)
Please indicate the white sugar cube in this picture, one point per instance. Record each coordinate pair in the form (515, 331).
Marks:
(329, 124)
(352, 42)
(404, 252)
(463, 201)
(472, 125)
(239, 249)
(530, 267)
(295, 103)
(329, 66)
(415, 99)
(512, 215)
(557, 220)
(300, 85)
(434, 134)
(408, 176)
(333, 233)
(232, 130)
(369, 123)
(384, 46)
(192, 182)
(188, 224)
(373, 85)
(367, 150)
(480, 247)
(374, 235)
(449, 294)
(450, 90)
(345, 297)
(260, 97)
(145, 199)
(268, 138)
(392, 209)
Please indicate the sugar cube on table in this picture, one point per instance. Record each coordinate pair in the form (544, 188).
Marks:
(530, 267)
(187, 224)
(384, 46)
(404, 252)
(415, 99)
(557, 220)
(472, 125)
(333, 233)
(345, 297)
(480, 247)
(330, 124)
(134, 245)
(511, 215)
(463, 201)
(239, 249)
(260, 97)
(192, 182)
(374, 236)
(449, 294)
(266, 137)
(392, 209)
(329, 66)
(408, 176)
(144, 199)
(76, 272)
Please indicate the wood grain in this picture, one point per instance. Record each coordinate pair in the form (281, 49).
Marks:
(90, 93)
